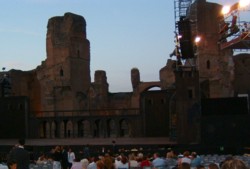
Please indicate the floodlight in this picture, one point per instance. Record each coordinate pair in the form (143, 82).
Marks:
(197, 39)
(244, 3)
(225, 10)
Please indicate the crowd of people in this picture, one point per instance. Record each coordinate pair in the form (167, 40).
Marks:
(61, 157)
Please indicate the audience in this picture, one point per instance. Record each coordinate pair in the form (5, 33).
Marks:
(159, 162)
(20, 155)
(145, 161)
(213, 166)
(195, 159)
(133, 163)
(123, 164)
(185, 158)
(234, 164)
(77, 164)
(12, 164)
(138, 160)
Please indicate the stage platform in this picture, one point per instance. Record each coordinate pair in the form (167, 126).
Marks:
(92, 141)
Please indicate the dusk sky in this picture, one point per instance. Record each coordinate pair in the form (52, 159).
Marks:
(123, 34)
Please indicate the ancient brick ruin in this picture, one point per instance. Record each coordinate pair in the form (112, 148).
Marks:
(64, 103)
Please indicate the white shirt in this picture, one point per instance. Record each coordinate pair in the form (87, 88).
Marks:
(71, 157)
(92, 165)
(122, 166)
(186, 160)
(133, 163)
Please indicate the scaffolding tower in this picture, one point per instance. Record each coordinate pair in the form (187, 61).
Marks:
(182, 11)
(235, 32)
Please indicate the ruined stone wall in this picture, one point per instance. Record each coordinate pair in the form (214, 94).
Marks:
(213, 63)
(135, 78)
(167, 77)
(25, 83)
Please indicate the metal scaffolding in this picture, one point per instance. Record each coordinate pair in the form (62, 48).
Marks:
(181, 9)
(184, 9)
(236, 31)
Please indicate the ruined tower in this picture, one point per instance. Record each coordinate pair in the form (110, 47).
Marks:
(66, 71)
(213, 64)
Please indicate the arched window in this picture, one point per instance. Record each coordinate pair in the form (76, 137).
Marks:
(69, 128)
(97, 128)
(124, 128)
(78, 53)
(20, 106)
(47, 130)
(111, 128)
(208, 64)
(61, 72)
(53, 129)
(84, 128)
(62, 127)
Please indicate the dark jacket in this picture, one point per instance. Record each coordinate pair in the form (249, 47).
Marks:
(21, 156)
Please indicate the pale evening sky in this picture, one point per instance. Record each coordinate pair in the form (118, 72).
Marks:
(123, 34)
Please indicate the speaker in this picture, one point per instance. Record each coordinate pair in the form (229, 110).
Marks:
(227, 130)
(186, 40)
(224, 106)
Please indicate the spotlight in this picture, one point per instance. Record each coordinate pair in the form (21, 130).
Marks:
(225, 10)
(197, 39)
(244, 3)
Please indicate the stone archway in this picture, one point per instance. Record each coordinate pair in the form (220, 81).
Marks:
(69, 129)
(111, 128)
(96, 128)
(53, 129)
(124, 128)
(47, 129)
(62, 131)
(42, 130)
(84, 128)
(143, 86)
(87, 128)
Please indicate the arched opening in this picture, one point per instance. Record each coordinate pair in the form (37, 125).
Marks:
(111, 128)
(97, 128)
(124, 128)
(208, 64)
(69, 129)
(61, 72)
(78, 53)
(47, 130)
(62, 127)
(54, 129)
(43, 129)
(84, 128)
(80, 128)
(154, 88)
